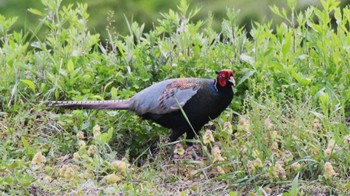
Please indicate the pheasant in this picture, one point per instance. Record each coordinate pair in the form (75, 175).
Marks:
(183, 105)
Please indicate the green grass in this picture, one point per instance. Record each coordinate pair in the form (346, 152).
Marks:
(286, 131)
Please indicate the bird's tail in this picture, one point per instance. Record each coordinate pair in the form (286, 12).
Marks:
(111, 104)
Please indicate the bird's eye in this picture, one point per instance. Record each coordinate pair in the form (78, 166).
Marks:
(223, 75)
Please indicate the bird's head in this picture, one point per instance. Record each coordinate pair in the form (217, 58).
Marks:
(225, 76)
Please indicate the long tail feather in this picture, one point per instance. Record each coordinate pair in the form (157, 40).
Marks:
(111, 104)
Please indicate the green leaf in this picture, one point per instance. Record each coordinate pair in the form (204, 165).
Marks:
(275, 10)
(231, 193)
(284, 13)
(30, 84)
(183, 7)
(324, 100)
(26, 145)
(35, 12)
(301, 79)
(114, 93)
(57, 93)
(70, 66)
(107, 85)
(295, 186)
(245, 77)
(287, 45)
(120, 49)
(104, 137)
(27, 179)
(318, 115)
(292, 4)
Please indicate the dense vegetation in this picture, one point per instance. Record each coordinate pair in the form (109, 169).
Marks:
(149, 11)
(292, 102)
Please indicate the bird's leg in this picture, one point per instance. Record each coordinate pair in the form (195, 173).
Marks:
(190, 134)
(175, 134)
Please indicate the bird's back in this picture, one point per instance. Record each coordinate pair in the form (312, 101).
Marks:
(165, 97)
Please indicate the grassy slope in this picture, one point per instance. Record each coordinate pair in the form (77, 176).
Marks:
(292, 102)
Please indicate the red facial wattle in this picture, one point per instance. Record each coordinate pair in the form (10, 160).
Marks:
(222, 80)
(225, 76)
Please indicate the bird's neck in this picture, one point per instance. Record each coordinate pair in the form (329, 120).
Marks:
(214, 85)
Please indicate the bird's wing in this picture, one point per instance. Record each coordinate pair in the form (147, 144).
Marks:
(166, 96)
(174, 98)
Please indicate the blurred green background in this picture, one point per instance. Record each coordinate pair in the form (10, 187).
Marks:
(148, 11)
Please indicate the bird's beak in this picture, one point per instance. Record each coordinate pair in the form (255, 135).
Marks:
(232, 81)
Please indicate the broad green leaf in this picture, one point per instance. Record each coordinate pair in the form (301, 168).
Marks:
(27, 179)
(114, 93)
(70, 66)
(104, 137)
(30, 84)
(246, 76)
(301, 79)
(287, 45)
(35, 12)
